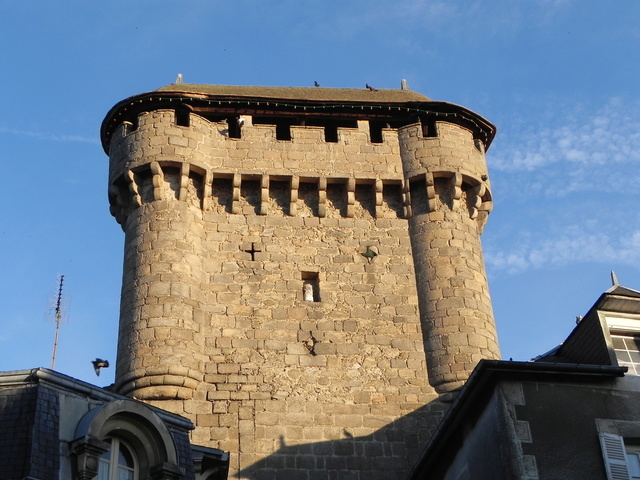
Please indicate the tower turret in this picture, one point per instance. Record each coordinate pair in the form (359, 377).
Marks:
(448, 200)
(155, 194)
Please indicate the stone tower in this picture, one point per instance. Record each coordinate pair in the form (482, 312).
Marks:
(290, 256)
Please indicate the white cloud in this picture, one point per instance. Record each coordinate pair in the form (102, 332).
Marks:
(575, 245)
(49, 136)
(577, 150)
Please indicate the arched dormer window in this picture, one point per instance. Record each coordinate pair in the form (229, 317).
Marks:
(128, 434)
(119, 462)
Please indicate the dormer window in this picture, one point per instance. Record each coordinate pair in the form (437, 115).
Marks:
(625, 339)
(118, 463)
(125, 440)
(627, 350)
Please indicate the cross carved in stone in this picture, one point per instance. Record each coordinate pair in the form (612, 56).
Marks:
(253, 250)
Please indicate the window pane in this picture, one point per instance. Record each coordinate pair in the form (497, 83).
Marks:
(633, 461)
(125, 474)
(125, 458)
(107, 455)
(118, 463)
(103, 469)
(623, 356)
(618, 343)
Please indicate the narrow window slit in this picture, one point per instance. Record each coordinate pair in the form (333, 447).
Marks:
(310, 287)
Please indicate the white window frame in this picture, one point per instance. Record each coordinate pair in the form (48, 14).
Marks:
(622, 325)
(112, 462)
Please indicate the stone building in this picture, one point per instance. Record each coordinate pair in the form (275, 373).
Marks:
(303, 275)
(573, 412)
(54, 427)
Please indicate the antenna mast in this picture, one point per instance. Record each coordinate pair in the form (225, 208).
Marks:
(58, 317)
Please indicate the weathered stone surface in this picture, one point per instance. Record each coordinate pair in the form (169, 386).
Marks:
(224, 235)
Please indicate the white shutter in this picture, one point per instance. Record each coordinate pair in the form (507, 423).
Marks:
(614, 456)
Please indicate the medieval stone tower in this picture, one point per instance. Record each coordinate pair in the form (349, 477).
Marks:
(291, 255)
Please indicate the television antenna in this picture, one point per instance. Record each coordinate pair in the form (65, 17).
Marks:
(57, 319)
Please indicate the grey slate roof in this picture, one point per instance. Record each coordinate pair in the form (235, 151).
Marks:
(390, 105)
(587, 343)
(312, 94)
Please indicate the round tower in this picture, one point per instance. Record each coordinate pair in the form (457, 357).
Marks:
(448, 199)
(155, 193)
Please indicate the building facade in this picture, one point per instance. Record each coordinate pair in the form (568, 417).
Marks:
(54, 427)
(573, 412)
(303, 274)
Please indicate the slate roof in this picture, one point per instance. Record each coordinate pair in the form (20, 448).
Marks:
(309, 94)
(587, 343)
(389, 105)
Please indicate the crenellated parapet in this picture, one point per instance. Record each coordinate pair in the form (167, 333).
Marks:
(305, 151)
(448, 168)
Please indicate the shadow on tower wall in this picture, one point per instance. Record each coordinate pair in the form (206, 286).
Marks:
(387, 454)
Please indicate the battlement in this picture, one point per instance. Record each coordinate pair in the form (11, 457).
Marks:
(256, 148)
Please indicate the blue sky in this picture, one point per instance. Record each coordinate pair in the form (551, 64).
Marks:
(559, 78)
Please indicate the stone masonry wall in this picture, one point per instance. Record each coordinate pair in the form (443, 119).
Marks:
(450, 199)
(269, 294)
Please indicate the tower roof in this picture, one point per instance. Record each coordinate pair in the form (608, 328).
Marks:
(399, 107)
(311, 94)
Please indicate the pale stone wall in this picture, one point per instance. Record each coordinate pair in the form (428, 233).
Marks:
(223, 234)
(207, 146)
(450, 199)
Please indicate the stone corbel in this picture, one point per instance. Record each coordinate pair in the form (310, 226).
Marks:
(156, 179)
(378, 192)
(115, 205)
(264, 195)
(133, 188)
(293, 198)
(456, 190)
(87, 451)
(483, 214)
(406, 199)
(480, 204)
(431, 192)
(235, 194)
(475, 199)
(322, 197)
(351, 196)
(184, 182)
(207, 191)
